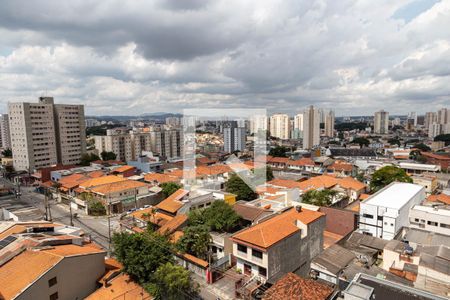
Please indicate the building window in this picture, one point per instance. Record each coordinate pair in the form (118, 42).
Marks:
(445, 225)
(416, 220)
(368, 216)
(257, 254)
(52, 282)
(242, 248)
(54, 296)
(432, 223)
(262, 271)
(380, 218)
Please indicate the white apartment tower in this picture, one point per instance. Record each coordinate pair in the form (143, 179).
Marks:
(297, 132)
(311, 128)
(329, 123)
(258, 123)
(279, 126)
(5, 137)
(233, 139)
(443, 116)
(44, 134)
(381, 122)
(430, 118)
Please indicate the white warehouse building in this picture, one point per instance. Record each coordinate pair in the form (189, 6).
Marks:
(385, 213)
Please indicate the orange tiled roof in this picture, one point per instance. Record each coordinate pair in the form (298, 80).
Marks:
(160, 178)
(267, 190)
(120, 287)
(323, 181)
(269, 232)
(435, 156)
(280, 160)
(196, 260)
(95, 174)
(284, 183)
(26, 267)
(148, 215)
(118, 186)
(72, 180)
(173, 224)
(174, 237)
(172, 203)
(101, 180)
(351, 183)
(443, 198)
(22, 227)
(304, 161)
(292, 286)
(339, 165)
(123, 169)
(330, 238)
(364, 196)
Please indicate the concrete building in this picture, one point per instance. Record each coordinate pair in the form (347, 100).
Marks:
(311, 128)
(116, 140)
(381, 122)
(259, 123)
(443, 116)
(173, 121)
(44, 133)
(434, 130)
(329, 123)
(284, 243)
(433, 219)
(297, 132)
(384, 213)
(430, 118)
(5, 138)
(233, 138)
(279, 126)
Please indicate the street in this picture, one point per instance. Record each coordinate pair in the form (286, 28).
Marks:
(95, 227)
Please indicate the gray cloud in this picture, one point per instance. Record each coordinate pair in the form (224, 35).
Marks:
(129, 57)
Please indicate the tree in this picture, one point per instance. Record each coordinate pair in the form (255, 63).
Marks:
(319, 197)
(108, 155)
(237, 186)
(7, 153)
(361, 141)
(142, 253)
(443, 138)
(195, 241)
(96, 208)
(348, 126)
(171, 282)
(394, 141)
(220, 216)
(279, 151)
(168, 188)
(386, 175)
(422, 147)
(87, 158)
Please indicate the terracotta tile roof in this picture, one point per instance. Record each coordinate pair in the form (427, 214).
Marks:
(22, 227)
(351, 183)
(95, 174)
(364, 196)
(279, 160)
(196, 260)
(435, 156)
(173, 224)
(273, 230)
(284, 183)
(100, 181)
(172, 203)
(292, 286)
(267, 190)
(304, 161)
(339, 165)
(249, 212)
(443, 198)
(323, 181)
(174, 237)
(26, 267)
(156, 218)
(330, 238)
(118, 186)
(160, 178)
(121, 287)
(213, 170)
(73, 180)
(123, 169)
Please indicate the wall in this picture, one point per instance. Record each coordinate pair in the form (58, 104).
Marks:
(339, 221)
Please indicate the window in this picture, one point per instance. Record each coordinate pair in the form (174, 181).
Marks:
(368, 216)
(52, 282)
(432, 223)
(262, 271)
(242, 248)
(416, 220)
(54, 296)
(380, 218)
(257, 253)
(445, 225)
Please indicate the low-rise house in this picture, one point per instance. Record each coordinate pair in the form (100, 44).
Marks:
(430, 183)
(430, 218)
(284, 243)
(120, 287)
(340, 168)
(442, 199)
(250, 214)
(303, 164)
(384, 213)
(417, 168)
(437, 159)
(124, 171)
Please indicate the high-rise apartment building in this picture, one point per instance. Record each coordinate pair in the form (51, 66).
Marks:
(44, 134)
(434, 130)
(173, 121)
(329, 123)
(381, 122)
(430, 118)
(129, 145)
(443, 116)
(297, 132)
(311, 128)
(279, 126)
(233, 138)
(5, 138)
(258, 123)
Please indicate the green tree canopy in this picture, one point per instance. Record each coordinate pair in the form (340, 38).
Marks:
(171, 282)
(279, 151)
(96, 208)
(362, 142)
(348, 126)
(444, 138)
(386, 175)
(237, 186)
(195, 241)
(422, 147)
(394, 141)
(220, 216)
(168, 188)
(142, 253)
(108, 155)
(87, 158)
(7, 153)
(319, 197)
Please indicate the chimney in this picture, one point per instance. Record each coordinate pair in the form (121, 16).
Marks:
(298, 208)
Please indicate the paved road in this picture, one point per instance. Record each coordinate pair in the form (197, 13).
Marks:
(96, 227)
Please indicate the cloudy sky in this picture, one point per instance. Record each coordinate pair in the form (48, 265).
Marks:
(130, 57)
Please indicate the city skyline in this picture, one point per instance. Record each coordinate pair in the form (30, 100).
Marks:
(227, 55)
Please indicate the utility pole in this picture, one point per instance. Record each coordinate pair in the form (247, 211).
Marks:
(70, 209)
(135, 198)
(109, 224)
